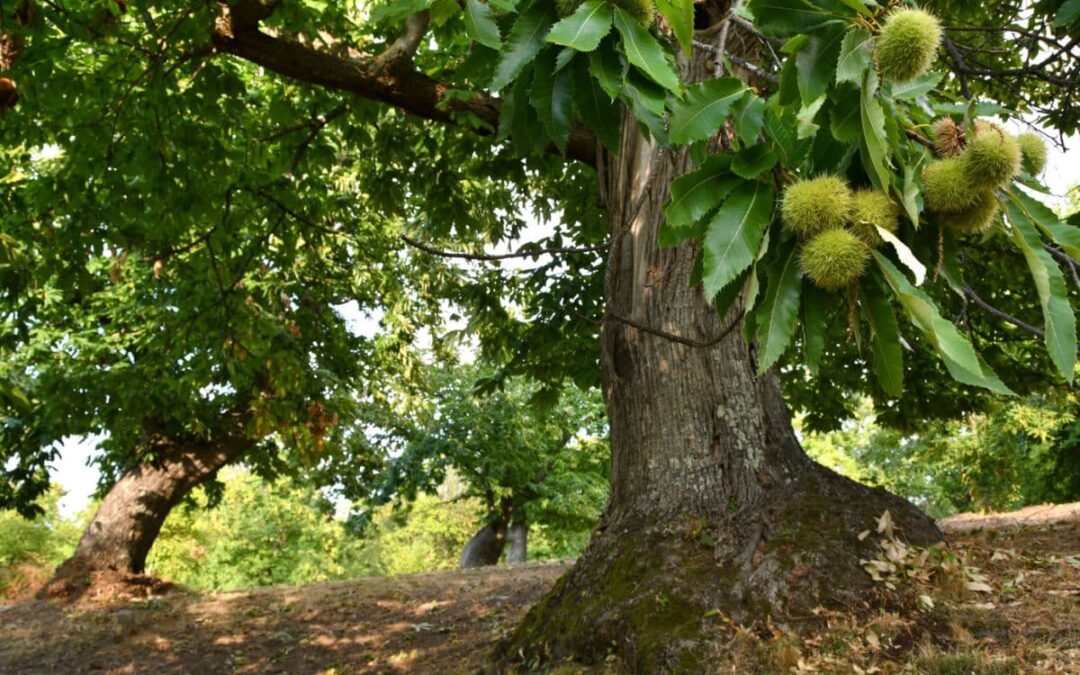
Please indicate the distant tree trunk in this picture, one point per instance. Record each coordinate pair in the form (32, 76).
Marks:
(518, 539)
(714, 506)
(486, 546)
(128, 521)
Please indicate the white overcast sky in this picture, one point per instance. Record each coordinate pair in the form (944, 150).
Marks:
(78, 477)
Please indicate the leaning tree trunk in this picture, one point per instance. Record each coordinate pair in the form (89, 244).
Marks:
(128, 521)
(714, 505)
(485, 547)
(517, 539)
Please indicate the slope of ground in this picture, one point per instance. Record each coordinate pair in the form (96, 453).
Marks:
(1005, 598)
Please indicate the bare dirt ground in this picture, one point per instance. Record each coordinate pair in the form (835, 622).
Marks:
(1014, 607)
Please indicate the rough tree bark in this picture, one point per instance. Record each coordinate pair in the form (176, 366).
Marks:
(518, 540)
(714, 505)
(486, 546)
(130, 517)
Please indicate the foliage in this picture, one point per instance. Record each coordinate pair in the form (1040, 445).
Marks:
(262, 534)
(41, 543)
(523, 462)
(1022, 453)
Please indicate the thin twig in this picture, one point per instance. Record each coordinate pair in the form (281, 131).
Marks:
(1007, 318)
(737, 60)
(696, 344)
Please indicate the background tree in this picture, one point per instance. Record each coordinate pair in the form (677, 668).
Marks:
(526, 464)
(701, 439)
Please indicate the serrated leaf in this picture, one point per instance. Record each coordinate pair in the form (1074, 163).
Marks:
(873, 126)
(1058, 318)
(753, 161)
(480, 24)
(845, 123)
(807, 126)
(585, 28)
(680, 16)
(856, 52)
(816, 63)
(706, 105)
(784, 18)
(888, 361)
(748, 116)
(605, 67)
(523, 44)
(696, 193)
(644, 51)
(735, 233)
(599, 113)
(910, 199)
(551, 97)
(960, 359)
(904, 254)
(920, 86)
(1064, 235)
(776, 321)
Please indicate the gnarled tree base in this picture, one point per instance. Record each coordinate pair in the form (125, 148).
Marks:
(654, 593)
(81, 578)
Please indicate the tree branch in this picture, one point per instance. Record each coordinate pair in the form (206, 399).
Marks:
(1007, 318)
(375, 78)
(520, 253)
(696, 344)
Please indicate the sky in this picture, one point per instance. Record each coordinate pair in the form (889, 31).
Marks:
(78, 477)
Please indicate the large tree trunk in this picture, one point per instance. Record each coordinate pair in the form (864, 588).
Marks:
(517, 538)
(128, 521)
(714, 505)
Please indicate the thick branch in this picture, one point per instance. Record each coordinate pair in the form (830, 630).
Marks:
(408, 90)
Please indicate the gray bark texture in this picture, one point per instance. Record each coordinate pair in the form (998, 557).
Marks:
(518, 543)
(714, 505)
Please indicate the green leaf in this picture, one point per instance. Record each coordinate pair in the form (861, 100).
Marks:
(845, 122)
(956, 352)
(753, 161)
(605, 67)
(645, 52)
(873, 126)
(888, 363)
(920, 86)
(696, 193)
(524, 43)
(776, 320)
(1067, 14)
(911, 196)
(855, 55)
(805, 118)
(813, 325)
(551, 97)
(599, 113)
(1058, 318)
(480, 24)
(680, 16)
(748, 116)
(585, 28)
(703, 109)
(784, 18)
(816, 64)
(1064, 235)
(734, 234)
